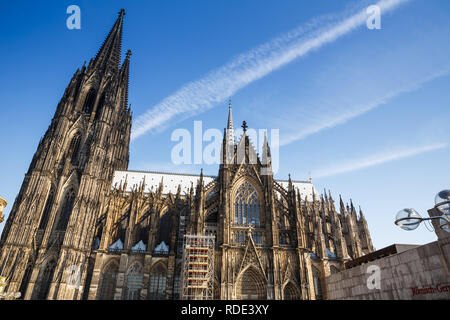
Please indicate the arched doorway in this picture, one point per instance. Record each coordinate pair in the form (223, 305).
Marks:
(290, 292)
(251, 285)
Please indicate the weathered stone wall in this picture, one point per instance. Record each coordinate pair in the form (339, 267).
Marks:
(417, 274)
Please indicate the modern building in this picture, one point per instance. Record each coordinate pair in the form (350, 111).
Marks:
(403, 272)
(83, 226)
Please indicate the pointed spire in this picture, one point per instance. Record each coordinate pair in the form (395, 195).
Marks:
(290, 185)
(178, 191)
(230, 127)
(299, 197)
(109, 53)
(352, 208)
(124, 76)
(266, 158)
(341, 205)
(361, 215)
(161, 185)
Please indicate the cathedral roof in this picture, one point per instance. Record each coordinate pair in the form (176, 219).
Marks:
(172, 180)
(153, 180)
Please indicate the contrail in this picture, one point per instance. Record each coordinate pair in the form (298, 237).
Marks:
(338, 116)
(376, 159)
(219, 84)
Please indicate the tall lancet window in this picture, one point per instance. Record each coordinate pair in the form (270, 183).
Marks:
(74, 147)
(157, 286)
(89, 101)
(100, 106)
(47, 210)
(66, 210)
(246, 207)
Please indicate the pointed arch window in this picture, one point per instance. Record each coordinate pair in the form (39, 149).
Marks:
(46, 280)
(74, 147)
(134, 282)
(89, 101)
(157, 286)
(66, 210)
(334, 270)
(108, 282)
(25, 280)
(317, 284)
(165, 227)
(101, 103)
(246, 206)
(47, 210)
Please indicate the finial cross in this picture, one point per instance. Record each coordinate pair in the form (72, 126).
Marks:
(244, 126)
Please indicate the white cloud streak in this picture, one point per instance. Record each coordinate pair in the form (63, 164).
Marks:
(339, 116)
(219, 84)
(377, 159)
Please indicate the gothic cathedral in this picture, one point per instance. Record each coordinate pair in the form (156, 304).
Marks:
(84, 227)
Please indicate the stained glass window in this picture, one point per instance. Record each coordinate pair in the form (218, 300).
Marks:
(246, 207)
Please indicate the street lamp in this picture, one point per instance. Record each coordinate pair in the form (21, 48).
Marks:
(409, 219)
(442, 203)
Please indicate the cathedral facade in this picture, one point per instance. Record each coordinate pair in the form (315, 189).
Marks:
(85, 227)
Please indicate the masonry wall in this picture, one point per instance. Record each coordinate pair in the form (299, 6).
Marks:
(421, 273)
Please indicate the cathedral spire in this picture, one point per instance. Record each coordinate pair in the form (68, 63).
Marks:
(266, 149)
(342, 206)
(109, 53)
(361, 215)
(352, 209)
(230, 127)
(124, 76)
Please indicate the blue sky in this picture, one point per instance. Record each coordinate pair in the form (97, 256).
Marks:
(366, 114)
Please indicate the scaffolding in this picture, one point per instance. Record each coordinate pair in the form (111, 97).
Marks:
(198, 267)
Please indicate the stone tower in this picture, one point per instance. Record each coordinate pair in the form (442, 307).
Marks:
(49, 234)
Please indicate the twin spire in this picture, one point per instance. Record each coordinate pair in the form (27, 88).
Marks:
(230, 128)
(109, 53)
(230, 141)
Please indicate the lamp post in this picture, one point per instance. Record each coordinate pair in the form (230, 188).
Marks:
(409, 219)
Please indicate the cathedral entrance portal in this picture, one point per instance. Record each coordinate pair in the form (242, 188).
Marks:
(251, 285)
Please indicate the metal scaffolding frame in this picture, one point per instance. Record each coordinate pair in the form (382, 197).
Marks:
(198, 267)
